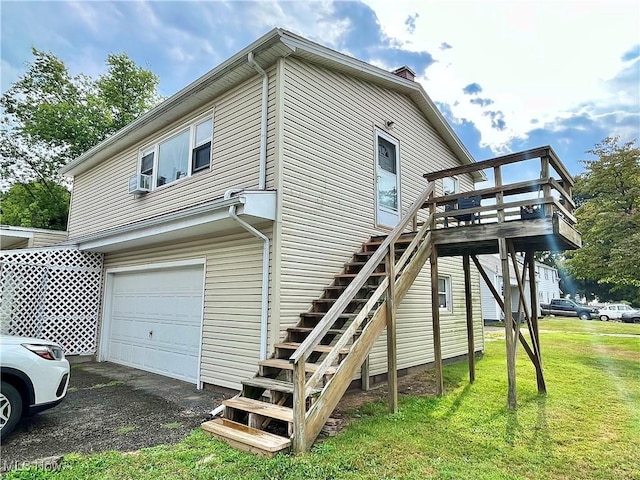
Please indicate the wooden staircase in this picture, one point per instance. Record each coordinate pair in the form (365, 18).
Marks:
(295, 391)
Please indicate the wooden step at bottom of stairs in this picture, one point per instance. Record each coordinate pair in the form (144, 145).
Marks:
(263, 409)
(246, 438)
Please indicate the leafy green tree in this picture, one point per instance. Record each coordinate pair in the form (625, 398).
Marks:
(51, 117)
(35, 204)
(609, 219)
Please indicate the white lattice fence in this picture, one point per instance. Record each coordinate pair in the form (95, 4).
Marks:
(52, 293)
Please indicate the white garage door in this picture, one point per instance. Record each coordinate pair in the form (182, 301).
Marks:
(155, 321)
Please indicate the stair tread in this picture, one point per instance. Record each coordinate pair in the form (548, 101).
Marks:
(261, 408)
(238, 433)
(353, 275)
(284, 364)
(404, 238)
(334, 300)
(322, 314)
(331, 331)
(272, 384)
(343, 287)
(317, 348)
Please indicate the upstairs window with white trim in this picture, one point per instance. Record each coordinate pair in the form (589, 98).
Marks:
(444, 293)
(184, 153)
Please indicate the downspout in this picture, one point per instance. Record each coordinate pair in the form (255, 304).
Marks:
(264, 314)
(263, 121)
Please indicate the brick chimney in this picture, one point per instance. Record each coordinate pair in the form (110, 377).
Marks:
(405, 72)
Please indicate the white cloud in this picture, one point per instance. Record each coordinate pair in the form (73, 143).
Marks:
(536, 60)
(315, 20)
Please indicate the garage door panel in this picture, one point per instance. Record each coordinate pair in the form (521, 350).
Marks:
(156, 319)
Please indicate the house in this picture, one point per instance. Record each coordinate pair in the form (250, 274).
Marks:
(12, 238)
(547, 286)
(264, 176)
(275, 228)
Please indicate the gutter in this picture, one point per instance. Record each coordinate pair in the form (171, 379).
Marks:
(264, 313)
(263, 121)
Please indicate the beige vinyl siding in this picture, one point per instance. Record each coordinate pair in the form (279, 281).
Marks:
(26, 243)
(232, 299)
(43, 239)
(100, 199)
(415, 331)
(329, 196)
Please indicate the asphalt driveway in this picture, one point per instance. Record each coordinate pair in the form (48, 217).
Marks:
(110, 407)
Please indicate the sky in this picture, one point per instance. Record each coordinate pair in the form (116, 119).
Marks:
(507, 75)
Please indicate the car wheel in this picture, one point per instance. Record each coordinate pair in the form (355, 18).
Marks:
(604, 318)
(585, 316)
(10, 408)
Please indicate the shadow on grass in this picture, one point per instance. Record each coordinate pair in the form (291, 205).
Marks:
(457, 401)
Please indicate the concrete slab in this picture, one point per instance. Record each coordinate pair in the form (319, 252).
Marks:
(110, 407)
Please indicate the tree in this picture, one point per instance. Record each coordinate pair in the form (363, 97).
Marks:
(609, 219)
(35, 204)
(51, 117)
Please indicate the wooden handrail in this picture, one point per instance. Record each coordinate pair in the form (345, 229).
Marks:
(559, 167)
(311, 422)
(414, 243)
(488, 208)
(508, 190)
(321, 370)
(346, 336)
(493, 162)
(316, 335)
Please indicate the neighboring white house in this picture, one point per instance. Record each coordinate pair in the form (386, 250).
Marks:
(547, 285)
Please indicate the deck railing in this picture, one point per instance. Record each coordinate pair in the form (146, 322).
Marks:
(543, 196)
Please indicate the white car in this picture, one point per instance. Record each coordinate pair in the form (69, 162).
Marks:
(614, 311)
(35, 376)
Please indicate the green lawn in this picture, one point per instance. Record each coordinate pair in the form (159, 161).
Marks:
(586, 427)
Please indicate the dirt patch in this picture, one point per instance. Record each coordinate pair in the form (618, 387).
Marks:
(416, 384)
(109, 407)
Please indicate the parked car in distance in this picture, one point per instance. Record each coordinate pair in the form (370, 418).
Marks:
(35, 376)
(631, 316)
(568, 308)
(614, 311)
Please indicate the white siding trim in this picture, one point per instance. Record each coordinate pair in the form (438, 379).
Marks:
(157, 266)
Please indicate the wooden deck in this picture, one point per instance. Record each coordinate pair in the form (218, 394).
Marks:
(553, 234)
(535, 214)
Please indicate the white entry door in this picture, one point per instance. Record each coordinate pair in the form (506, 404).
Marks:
(155, 321)
(387, 180)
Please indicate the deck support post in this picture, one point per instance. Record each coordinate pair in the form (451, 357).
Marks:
(535, 334)
(392, 358)
(435, 315)
(299, 407)
(469, 311)
(508, 324)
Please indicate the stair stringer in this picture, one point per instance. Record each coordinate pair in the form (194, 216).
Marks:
(333, 392)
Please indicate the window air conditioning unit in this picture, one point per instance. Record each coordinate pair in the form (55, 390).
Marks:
(140, 183)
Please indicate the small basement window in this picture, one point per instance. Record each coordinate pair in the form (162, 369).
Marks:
(444, 293)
